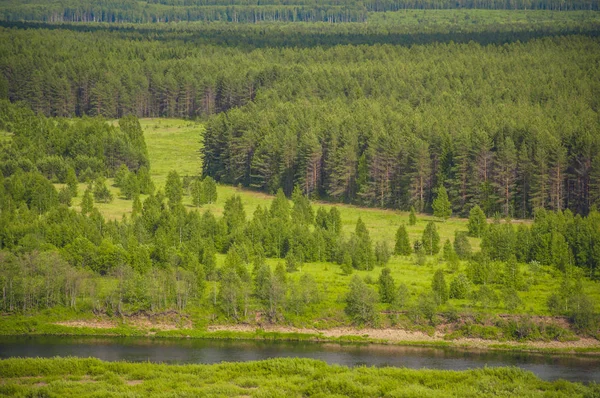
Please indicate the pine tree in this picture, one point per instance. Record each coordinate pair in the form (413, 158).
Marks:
(302, 212)
(71, 181)
(234, 214)
(174, 188)
(197, 192)
(130, 187)
(512, 275)
(462, 247)
(146, 184)
(506, 174)
(136, 207)
(362, 256)
(101, 192)
(420, 172)
(441, 205)
(402, 247)
(346, 265)
(431, 239)
(387, 286)
(448, 250)
(382, 253)
(87, 202)
(439, 287)
(209, 187)
(460, 287)
(412, 217)
(280, 207)
(477, 222)
(121, 175)
(64, 196)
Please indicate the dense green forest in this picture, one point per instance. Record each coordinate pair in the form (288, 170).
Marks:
(510, 127)
(244, 11)
(490, 115)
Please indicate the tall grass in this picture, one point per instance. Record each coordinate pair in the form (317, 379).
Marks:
(70, 377)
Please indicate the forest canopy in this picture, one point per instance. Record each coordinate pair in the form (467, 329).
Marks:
(510, 127)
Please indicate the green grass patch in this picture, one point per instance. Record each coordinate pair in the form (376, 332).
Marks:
(71, 377)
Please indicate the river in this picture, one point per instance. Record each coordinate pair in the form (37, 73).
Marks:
(184, 351)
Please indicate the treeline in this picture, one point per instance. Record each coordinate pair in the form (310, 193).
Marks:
(241, 11)
(61, 149)
(511, 128)
(498, 144)
(556, 238)
(183, 74)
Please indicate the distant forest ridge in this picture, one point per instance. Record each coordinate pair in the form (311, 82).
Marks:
(244, 11)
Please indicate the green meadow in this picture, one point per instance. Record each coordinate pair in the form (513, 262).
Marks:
(289, 377)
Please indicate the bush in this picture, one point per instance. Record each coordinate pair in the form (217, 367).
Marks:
(101, 192)
(460, 287)
(360, 302)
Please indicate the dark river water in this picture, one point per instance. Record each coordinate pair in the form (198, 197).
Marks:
(548, 367)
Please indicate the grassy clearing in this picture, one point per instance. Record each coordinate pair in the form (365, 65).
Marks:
(70, 377)
(175, 144)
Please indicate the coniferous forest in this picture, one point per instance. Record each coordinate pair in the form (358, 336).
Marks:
(407, 164)
(510, 127)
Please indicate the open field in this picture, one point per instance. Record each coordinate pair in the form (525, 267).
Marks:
(69, 377)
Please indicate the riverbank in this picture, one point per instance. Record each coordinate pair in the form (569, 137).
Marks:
(291, 377)
(175, 326)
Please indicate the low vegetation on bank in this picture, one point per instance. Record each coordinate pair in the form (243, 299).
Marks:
(69, 377)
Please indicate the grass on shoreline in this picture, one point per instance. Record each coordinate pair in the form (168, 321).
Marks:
(71, 377)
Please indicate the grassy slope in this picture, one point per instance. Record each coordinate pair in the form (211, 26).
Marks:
(175, 144)
(71, 377)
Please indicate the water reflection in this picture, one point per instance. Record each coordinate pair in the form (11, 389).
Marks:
(549, 367)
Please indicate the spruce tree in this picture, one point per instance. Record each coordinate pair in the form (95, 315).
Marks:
(439, 287)
(101, 192)
(431, 239)
(174, 188)
(387, 286)
(121, 175)
(477, 222)
(87, 202)
(362, 256)
(382, 253)
(209, 187)
(302, 211)
(512, 274)
(402, 247)
(448, 250)
(146, 184)
(441, 204)
(136, 207)
(71, 181)
(412, 217)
